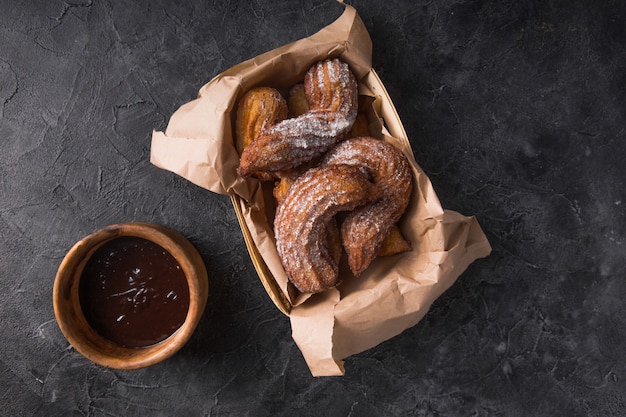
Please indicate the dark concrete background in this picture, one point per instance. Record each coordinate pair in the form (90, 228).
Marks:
(515, 109)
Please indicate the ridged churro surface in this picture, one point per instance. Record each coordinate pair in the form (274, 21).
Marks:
(365, 228)
(332, 94)
(303, 221)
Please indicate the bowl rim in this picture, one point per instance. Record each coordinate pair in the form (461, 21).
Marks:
(69, 314)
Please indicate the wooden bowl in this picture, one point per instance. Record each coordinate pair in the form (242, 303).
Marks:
(74, 325)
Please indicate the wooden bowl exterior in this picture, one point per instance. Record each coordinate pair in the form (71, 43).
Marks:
(84, 339)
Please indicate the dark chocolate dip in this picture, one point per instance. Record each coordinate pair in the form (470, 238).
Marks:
(133, 292)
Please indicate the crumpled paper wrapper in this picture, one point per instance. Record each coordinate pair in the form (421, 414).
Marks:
(395, 292)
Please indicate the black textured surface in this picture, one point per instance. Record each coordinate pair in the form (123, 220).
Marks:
(515, 109)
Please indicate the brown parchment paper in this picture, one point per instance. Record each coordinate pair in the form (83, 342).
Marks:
(395, 292)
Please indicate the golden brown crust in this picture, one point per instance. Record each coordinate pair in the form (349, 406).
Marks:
(297, 102)
(258, 109)
(280, 188)
(284, 179)
(364, 177)
(364, 229)
(303, 220)
(394, 243)
(332, 94)
(333, 240)
(332, 236)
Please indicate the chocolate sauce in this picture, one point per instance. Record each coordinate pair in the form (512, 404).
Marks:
(133, 292)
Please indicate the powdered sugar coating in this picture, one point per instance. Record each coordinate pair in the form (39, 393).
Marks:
(303, 220)
(365, 228)
(331, 91)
